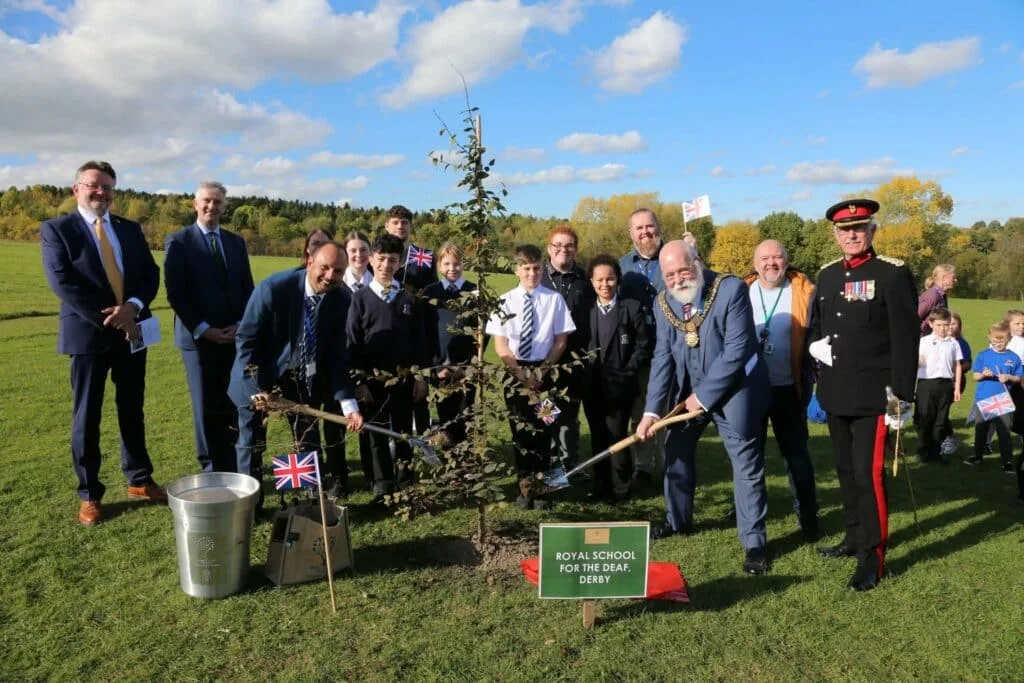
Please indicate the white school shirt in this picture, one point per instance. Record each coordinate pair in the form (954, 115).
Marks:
(349, 278)
(941, 357)
(1016, 345)
(550, 317)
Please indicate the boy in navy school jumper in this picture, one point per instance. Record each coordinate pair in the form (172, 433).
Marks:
(448, 347)
(386, 332)
(995, 369)
(534, 333)
(938, 385)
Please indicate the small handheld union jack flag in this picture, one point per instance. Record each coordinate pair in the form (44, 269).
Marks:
(296, 470)
(992, 407)
(421, 257)
(547, 411)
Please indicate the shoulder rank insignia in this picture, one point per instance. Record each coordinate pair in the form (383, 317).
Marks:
(891, 260)
(830, 263)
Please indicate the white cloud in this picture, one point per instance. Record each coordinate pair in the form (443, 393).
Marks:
(168, 78)
(537, 61)
(475, 38)
(1016, 85)
(832, 172)
(313, 189)
(597, 143)
(642, 173)
(960, 151)
(891, 68)
(560, 175)
(523, 153)
(767, 169)
(823, 94)
(272, 167)
(642, 56)
(720, 172)
(1006, 48)
(362, 161)
(801, 196)
(817, 140)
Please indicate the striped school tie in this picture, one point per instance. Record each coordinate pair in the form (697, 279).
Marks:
(526, 332)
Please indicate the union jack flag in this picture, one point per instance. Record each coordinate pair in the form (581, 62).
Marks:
(296, 470)
(547, 411)
(422, 257)
(992, 407)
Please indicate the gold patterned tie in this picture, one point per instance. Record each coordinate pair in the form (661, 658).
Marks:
(109, 261)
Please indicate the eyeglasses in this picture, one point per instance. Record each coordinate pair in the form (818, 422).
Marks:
(97, 186)
(562, 247)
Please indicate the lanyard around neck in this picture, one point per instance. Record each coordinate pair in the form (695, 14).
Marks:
(764, 309)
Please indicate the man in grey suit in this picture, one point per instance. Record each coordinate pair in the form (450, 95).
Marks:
(706, 354)
(208, 281)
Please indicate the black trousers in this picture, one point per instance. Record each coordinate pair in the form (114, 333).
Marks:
(449, 413)
(609, 423)
(788, 415)
(88, 381)
(333, 443)
(1001, 426)
(934, 398)
(391, 408)
(859, 447)
(531, 437)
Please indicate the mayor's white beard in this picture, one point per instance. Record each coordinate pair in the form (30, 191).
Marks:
(688, 291)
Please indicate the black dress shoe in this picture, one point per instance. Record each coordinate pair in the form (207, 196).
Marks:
(756, 562)
(809, 527)
(665, 531)
(730, 514)
(868, 573)
(842, 549)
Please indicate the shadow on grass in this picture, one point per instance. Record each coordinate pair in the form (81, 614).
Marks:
(417, 553)
(116, 509)
(713, 596)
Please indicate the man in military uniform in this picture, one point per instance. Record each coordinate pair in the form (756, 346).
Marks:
(864, 333)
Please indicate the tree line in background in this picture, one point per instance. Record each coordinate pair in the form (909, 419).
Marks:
(989, 257)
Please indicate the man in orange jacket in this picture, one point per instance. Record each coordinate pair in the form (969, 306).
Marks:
(781, 299)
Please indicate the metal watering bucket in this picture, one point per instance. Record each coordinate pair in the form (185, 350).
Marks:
(213, 518)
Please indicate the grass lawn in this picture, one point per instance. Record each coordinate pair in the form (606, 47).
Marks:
(104, 603)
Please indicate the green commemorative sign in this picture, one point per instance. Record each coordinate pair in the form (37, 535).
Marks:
(594, 560)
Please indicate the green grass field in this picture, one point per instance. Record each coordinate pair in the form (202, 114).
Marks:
(104, 603)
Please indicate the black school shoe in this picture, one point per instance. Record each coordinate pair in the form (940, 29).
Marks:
(756, 562)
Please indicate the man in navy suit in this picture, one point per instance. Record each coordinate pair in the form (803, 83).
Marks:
(707, 355)
(208, 282)
(101, 269)
(292, 339)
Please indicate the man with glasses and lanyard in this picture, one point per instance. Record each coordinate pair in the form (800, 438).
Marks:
(641, 280)
(562, 274)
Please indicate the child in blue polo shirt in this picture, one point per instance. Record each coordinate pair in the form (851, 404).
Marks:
(995, 370)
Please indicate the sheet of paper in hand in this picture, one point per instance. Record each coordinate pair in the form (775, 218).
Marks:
(149, 334)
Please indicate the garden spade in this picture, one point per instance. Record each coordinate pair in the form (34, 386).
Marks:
(558, 478)
(272, 402)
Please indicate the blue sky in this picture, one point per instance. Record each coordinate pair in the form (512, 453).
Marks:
(763, 106)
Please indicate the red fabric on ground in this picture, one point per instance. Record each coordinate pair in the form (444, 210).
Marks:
(664, 579)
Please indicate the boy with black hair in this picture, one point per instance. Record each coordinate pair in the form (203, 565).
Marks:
(534, 334)
(385, 332)
(938, 384)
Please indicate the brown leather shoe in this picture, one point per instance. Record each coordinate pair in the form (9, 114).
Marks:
(90, 513)
(148, 491)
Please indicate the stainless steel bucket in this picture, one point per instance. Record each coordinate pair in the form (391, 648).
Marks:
(213, 518)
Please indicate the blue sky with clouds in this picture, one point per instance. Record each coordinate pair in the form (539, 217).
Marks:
(764, 106)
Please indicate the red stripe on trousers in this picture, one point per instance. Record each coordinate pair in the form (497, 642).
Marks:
(878, 484)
